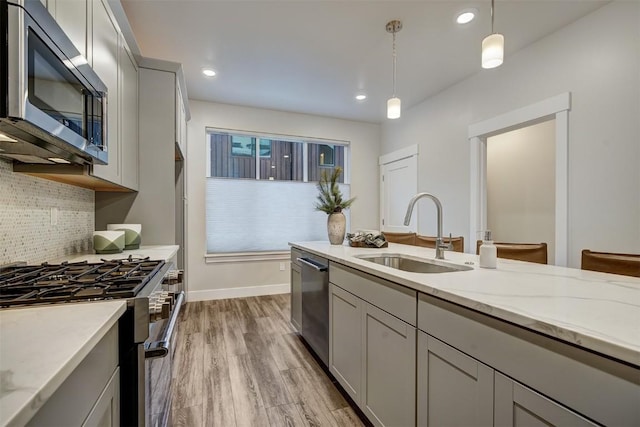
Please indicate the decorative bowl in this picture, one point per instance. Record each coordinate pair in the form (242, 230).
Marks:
(132, 234)
(108, 242)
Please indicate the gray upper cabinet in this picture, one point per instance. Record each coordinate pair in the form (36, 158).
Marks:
(453, 388)
(128, 117)
(72, 16)
(105, 54)
(519, 406)
(181, 121)
(389, 362)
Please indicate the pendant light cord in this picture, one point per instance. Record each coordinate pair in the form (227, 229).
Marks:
(492, 17)
(394, 64)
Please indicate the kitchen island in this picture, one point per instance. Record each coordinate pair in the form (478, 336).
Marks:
(564, 336)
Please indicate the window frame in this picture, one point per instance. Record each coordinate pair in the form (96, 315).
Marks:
(271, 255)
(305, 140)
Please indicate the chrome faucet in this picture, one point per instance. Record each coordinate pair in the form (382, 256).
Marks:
(440, 246)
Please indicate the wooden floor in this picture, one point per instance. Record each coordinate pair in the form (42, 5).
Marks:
(239, 363)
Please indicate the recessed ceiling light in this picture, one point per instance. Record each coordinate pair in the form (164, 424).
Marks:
(361, 97)
(5, 138)
(59, 160)
(208, 72)
(466, 16)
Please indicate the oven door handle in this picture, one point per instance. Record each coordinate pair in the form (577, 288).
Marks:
(161, 348)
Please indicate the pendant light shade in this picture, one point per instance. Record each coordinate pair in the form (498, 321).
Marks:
(492, 51)
(393, 108)
(492, 47)
(394, 104)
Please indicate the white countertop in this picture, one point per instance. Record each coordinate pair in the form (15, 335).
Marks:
(41, 346)
(154, 252)
(597, 311)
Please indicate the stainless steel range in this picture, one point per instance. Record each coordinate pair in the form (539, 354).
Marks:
(154, 296)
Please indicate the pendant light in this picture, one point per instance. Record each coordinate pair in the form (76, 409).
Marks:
(492, 47)
(393, 104)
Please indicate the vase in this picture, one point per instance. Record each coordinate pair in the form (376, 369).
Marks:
(336, 228)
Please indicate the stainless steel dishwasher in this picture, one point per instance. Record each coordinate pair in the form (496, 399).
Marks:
(315, 304)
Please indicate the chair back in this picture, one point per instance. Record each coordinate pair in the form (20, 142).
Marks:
(615, 263)
(430, 242)
(531, 252)
(404, 238)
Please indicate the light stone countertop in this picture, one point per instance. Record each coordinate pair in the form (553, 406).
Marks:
(596, 311)
(41, 346)
(154, 252)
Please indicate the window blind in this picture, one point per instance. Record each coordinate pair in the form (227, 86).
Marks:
(260, 215)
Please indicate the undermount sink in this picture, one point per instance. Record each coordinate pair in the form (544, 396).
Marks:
(414, 265)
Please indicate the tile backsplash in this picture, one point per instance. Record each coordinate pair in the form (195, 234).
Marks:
(26, 230)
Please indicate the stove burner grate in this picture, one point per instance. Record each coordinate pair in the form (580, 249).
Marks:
(70, 282)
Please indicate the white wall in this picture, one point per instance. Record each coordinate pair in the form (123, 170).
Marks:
(521, 186)
(597, 59)
(206, 280)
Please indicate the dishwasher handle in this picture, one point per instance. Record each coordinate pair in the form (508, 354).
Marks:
(314, 264)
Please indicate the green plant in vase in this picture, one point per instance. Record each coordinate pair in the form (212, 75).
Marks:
(332, 202)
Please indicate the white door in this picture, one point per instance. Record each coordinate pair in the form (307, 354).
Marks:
(398, 184)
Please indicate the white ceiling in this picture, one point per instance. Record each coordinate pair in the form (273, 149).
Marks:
(314, 56)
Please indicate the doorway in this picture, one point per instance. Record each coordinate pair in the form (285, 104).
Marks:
(521, 185)
(398, 184)
(552, 108)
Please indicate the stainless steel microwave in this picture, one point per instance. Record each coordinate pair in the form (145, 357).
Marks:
(53, 106)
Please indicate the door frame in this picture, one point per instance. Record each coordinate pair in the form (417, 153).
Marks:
(555, 107)
(401, 154)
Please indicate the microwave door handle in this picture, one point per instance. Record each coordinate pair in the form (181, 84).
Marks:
(105, 129)
(160, 348)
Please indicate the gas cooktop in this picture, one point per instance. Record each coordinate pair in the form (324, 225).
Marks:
(72, 282)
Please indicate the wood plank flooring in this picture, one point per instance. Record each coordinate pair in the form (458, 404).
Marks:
(238, 362)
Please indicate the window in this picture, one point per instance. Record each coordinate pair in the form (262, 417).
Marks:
(325, 157)
(262, 201)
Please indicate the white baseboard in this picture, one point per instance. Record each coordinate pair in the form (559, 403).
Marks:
(248, 291)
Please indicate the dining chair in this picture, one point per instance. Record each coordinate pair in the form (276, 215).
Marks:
(608, 262)
(404, 238)
(430, 242)
(531, 252)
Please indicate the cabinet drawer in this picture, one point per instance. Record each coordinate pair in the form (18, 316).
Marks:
(390, 297)
(567, 374)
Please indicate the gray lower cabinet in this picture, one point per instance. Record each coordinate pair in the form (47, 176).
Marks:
(389, 362)
(345, 340)
(372, 354)
(91, 393)
(296, 297)
(453, 388)
(106, 411)
(517, 406)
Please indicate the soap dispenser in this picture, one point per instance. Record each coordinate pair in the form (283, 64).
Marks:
(488, 252)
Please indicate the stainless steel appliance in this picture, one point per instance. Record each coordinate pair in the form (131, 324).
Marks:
(315, 304)
(53, 106)
(154, 296)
